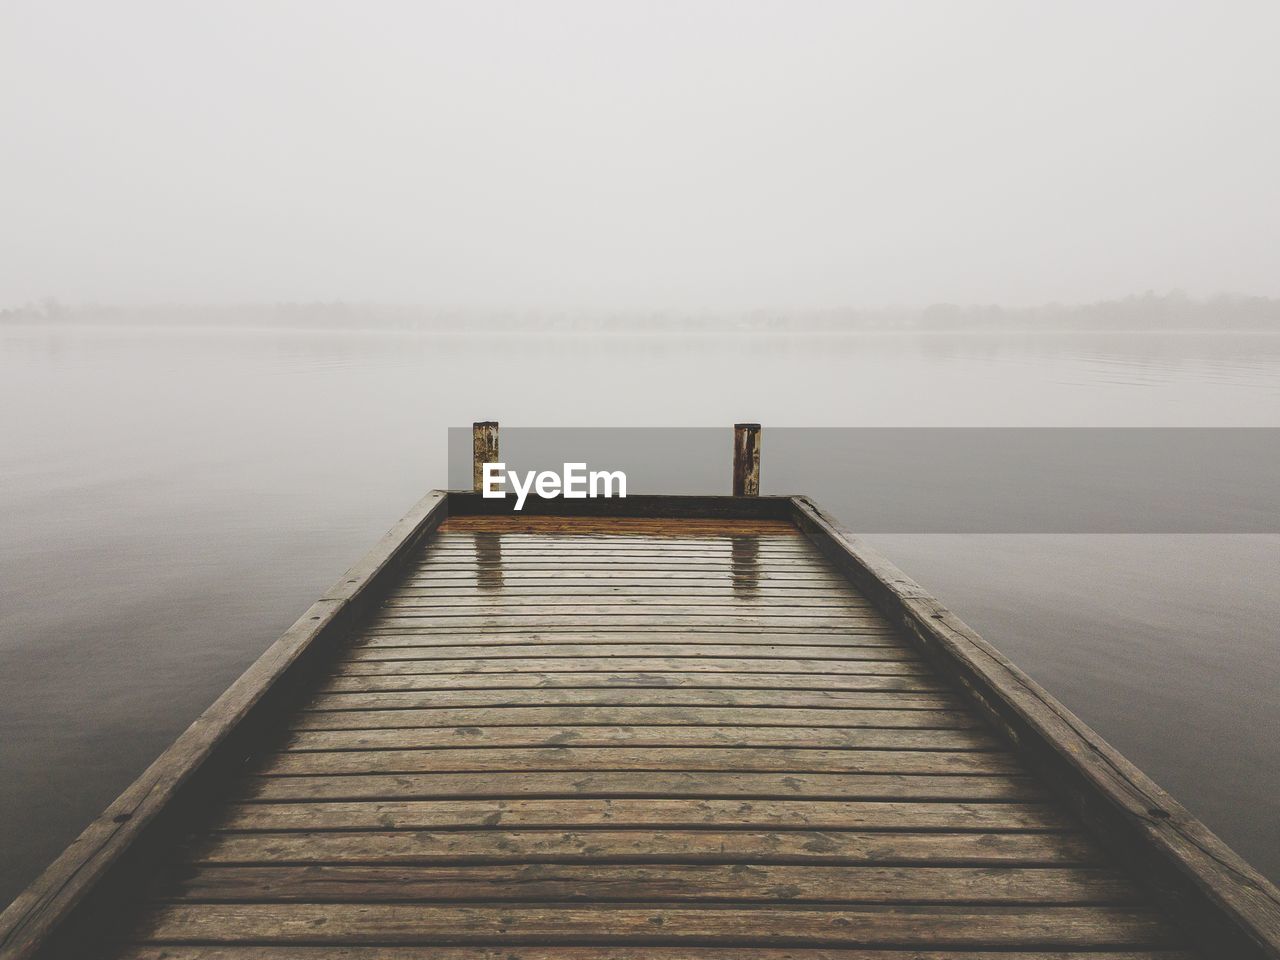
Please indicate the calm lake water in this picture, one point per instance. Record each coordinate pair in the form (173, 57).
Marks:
(171, 500)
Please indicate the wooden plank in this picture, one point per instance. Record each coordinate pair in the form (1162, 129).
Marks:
(794, 544)
(724, 591)
(688, 663)
(472, 641)
(735, 620)
(934, 926)
(737, 547)
(580, 813)
(673, 513)
(781, 629)
(670, 883)
(744, 548)
(851, 621)
(546, 624)
(727, 597)
(559, 716)
(747, 554)
(825, 584)
(391, 648)
(695, 522)
(738, 551)
(490, 600)
(639, 576)
(559, 952)
(680, 785)
(551, 681)
(465, 528)
(135, 816)
(618, 665)
(584, 616)
(763, 568)
(569, 633)
(617, 520)
(681, 697)
(735, 553)
(705, 845)
(627, 536)
(464, 738)
(770, 531)
(669, 604)
(1228, 907)
(724, 576)
(728, 759)
(386, 620)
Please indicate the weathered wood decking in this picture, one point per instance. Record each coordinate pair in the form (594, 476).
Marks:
(689, 729)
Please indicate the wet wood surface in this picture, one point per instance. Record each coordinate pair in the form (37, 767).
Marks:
(635, 739)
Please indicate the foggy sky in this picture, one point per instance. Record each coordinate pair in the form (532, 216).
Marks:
(693, 155)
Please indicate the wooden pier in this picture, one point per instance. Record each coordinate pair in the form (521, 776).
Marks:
(657, 728)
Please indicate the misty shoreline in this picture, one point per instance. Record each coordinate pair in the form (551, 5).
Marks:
(1146, 313)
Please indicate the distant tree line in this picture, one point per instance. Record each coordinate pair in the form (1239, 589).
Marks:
(1149, 311)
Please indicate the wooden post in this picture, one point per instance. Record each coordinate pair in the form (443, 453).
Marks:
(746, 459)
(484, 449)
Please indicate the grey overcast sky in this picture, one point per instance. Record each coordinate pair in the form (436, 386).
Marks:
(596, 154)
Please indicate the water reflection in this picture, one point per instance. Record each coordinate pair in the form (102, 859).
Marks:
(488, 547)
(746, 567)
